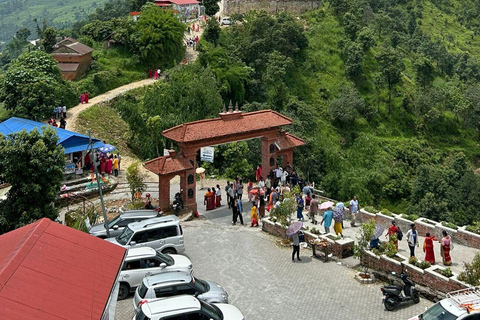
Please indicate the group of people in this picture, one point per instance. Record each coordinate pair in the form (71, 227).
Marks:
(155, 74)
(213, 198)
(280, 176)
(446, 243)
(53, 123)
(192, 42)
(61, 114)
(109, 164)
(83, 98)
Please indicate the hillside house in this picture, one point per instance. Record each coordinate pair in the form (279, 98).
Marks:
(74, 58)
(187, 9)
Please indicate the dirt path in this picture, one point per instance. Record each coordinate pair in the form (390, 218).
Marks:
(72, 113)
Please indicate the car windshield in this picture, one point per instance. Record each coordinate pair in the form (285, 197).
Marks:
(124, 236)
(201, 286)
(113, 222)
(437, 312)
(141, 316)
(212, 311)
(165, 258)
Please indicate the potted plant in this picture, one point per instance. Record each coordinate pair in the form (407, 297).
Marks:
(361, 247)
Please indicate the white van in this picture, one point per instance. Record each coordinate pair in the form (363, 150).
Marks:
(163, 234)
(459, 305)
(225, 21)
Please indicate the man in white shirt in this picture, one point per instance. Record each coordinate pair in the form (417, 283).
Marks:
(353, 210)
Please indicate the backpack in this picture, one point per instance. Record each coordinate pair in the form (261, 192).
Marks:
(399, 234)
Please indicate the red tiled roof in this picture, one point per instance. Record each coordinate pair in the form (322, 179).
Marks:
(228, 124)
(135, 13)
(168, 165)
(178, 2)
(287, 141)
(50, 271)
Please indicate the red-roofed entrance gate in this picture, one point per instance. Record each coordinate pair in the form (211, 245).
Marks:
(229, 127)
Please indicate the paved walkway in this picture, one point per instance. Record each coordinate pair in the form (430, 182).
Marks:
(263, 282)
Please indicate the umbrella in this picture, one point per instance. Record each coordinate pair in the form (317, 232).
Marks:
(378, 232)
(200, 170)
(294, 228)
(326, 205)
(106, 148)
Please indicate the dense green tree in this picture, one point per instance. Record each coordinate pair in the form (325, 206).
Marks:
(22, 34)
(344, 109)
(158, 37)
(275, 78)
(424, 71)
(33, 86)
(391, 67)
(33, 164)
(354, 55)
(49, 39)
(212, 31)
(211, 7)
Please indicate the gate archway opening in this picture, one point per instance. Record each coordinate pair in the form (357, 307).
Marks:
(231, 126)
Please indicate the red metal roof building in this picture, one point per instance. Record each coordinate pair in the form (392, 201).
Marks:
(50, 271)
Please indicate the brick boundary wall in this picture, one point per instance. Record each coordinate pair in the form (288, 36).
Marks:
(340, 248)
(428, 277)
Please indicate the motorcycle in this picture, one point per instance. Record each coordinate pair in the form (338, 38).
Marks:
(177, 203)
(394, 295)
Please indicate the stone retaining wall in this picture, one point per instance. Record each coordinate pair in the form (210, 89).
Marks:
(229, 7)
(428, 277)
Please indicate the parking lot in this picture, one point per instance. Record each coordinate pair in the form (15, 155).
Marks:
(263, 282)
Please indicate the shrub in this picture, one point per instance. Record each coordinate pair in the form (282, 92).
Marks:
(475, 228)
(413, 260)
(446, 273)
(449, 225)
(471, 275)
(386, 212)
(363, 240)
(411, 217)
(371, 209)
(388, 248)
(424, 265)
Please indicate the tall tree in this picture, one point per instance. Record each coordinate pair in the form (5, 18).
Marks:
(424, 71)
(211, 7)
(49, 39)
(33, 164)
(33, 86)
(212, 31)
(158, 36)
(391, 67)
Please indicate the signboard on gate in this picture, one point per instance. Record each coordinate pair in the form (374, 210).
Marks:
(207, 154)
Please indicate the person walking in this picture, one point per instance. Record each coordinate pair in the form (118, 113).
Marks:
(338, 217)
(258, 173)
(231, 194)
(313, 208)
(63, 123)
(64, 110)
(238, 204)
(254, 216)
(261, 206)
(412, 239)
(229, 201)
(218, 194)
(392, 230)
(232, 205)
(296, 247)
(240, 189)
(300, 205)
(354, 210)
(86, 97)
(446, 246)
(59, 112)
(115, 166)
(428, 248)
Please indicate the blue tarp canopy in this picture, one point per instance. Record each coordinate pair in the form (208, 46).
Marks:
(70, 141)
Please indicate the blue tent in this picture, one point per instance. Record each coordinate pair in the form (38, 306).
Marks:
(70, 141)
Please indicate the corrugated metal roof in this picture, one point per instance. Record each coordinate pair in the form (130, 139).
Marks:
(74, 45)
(50, 271)
(71, 141)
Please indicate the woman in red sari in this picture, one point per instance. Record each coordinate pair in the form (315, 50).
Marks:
(446, 246)
(213, 197)
(109, 164)
(208, 200)
(428, 248)
(102, 164)
(392, 230)
(218, 196)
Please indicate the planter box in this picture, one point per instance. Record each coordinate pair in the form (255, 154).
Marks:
(365, 216)
(468, 238)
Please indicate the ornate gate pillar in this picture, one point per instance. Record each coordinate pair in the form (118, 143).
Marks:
(269, 153)
(164, 191)
(188, 179)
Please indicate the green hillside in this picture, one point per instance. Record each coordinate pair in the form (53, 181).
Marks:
(15, 14)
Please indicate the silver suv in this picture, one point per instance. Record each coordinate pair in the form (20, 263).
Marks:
(163, 234)
(117, 224)
(187, 308)
(141, 262)
(174, 283)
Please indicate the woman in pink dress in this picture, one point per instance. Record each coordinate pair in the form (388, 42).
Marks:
(446, 246)
(102, 165)
(109, 165)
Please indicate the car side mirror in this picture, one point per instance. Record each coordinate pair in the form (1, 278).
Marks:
(163, 265)
(132, 243)
(115, 227)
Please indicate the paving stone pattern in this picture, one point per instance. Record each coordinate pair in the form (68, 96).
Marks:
(263, 282)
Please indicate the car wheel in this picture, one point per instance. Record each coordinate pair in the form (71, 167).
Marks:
(389, 304)
(123, 291)
(169, 251)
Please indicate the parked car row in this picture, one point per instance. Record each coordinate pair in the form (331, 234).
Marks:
(163, 280)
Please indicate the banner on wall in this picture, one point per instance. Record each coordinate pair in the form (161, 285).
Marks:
(207, 154)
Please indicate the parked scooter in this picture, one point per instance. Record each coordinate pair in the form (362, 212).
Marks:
(394, 295)
(177, 203)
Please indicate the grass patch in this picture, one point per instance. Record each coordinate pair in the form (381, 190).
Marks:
(105, 124)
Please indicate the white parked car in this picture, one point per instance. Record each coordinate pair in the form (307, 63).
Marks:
(141, 262)
(175, 283)
(455, 306)
(187, 307)
(225, 21)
